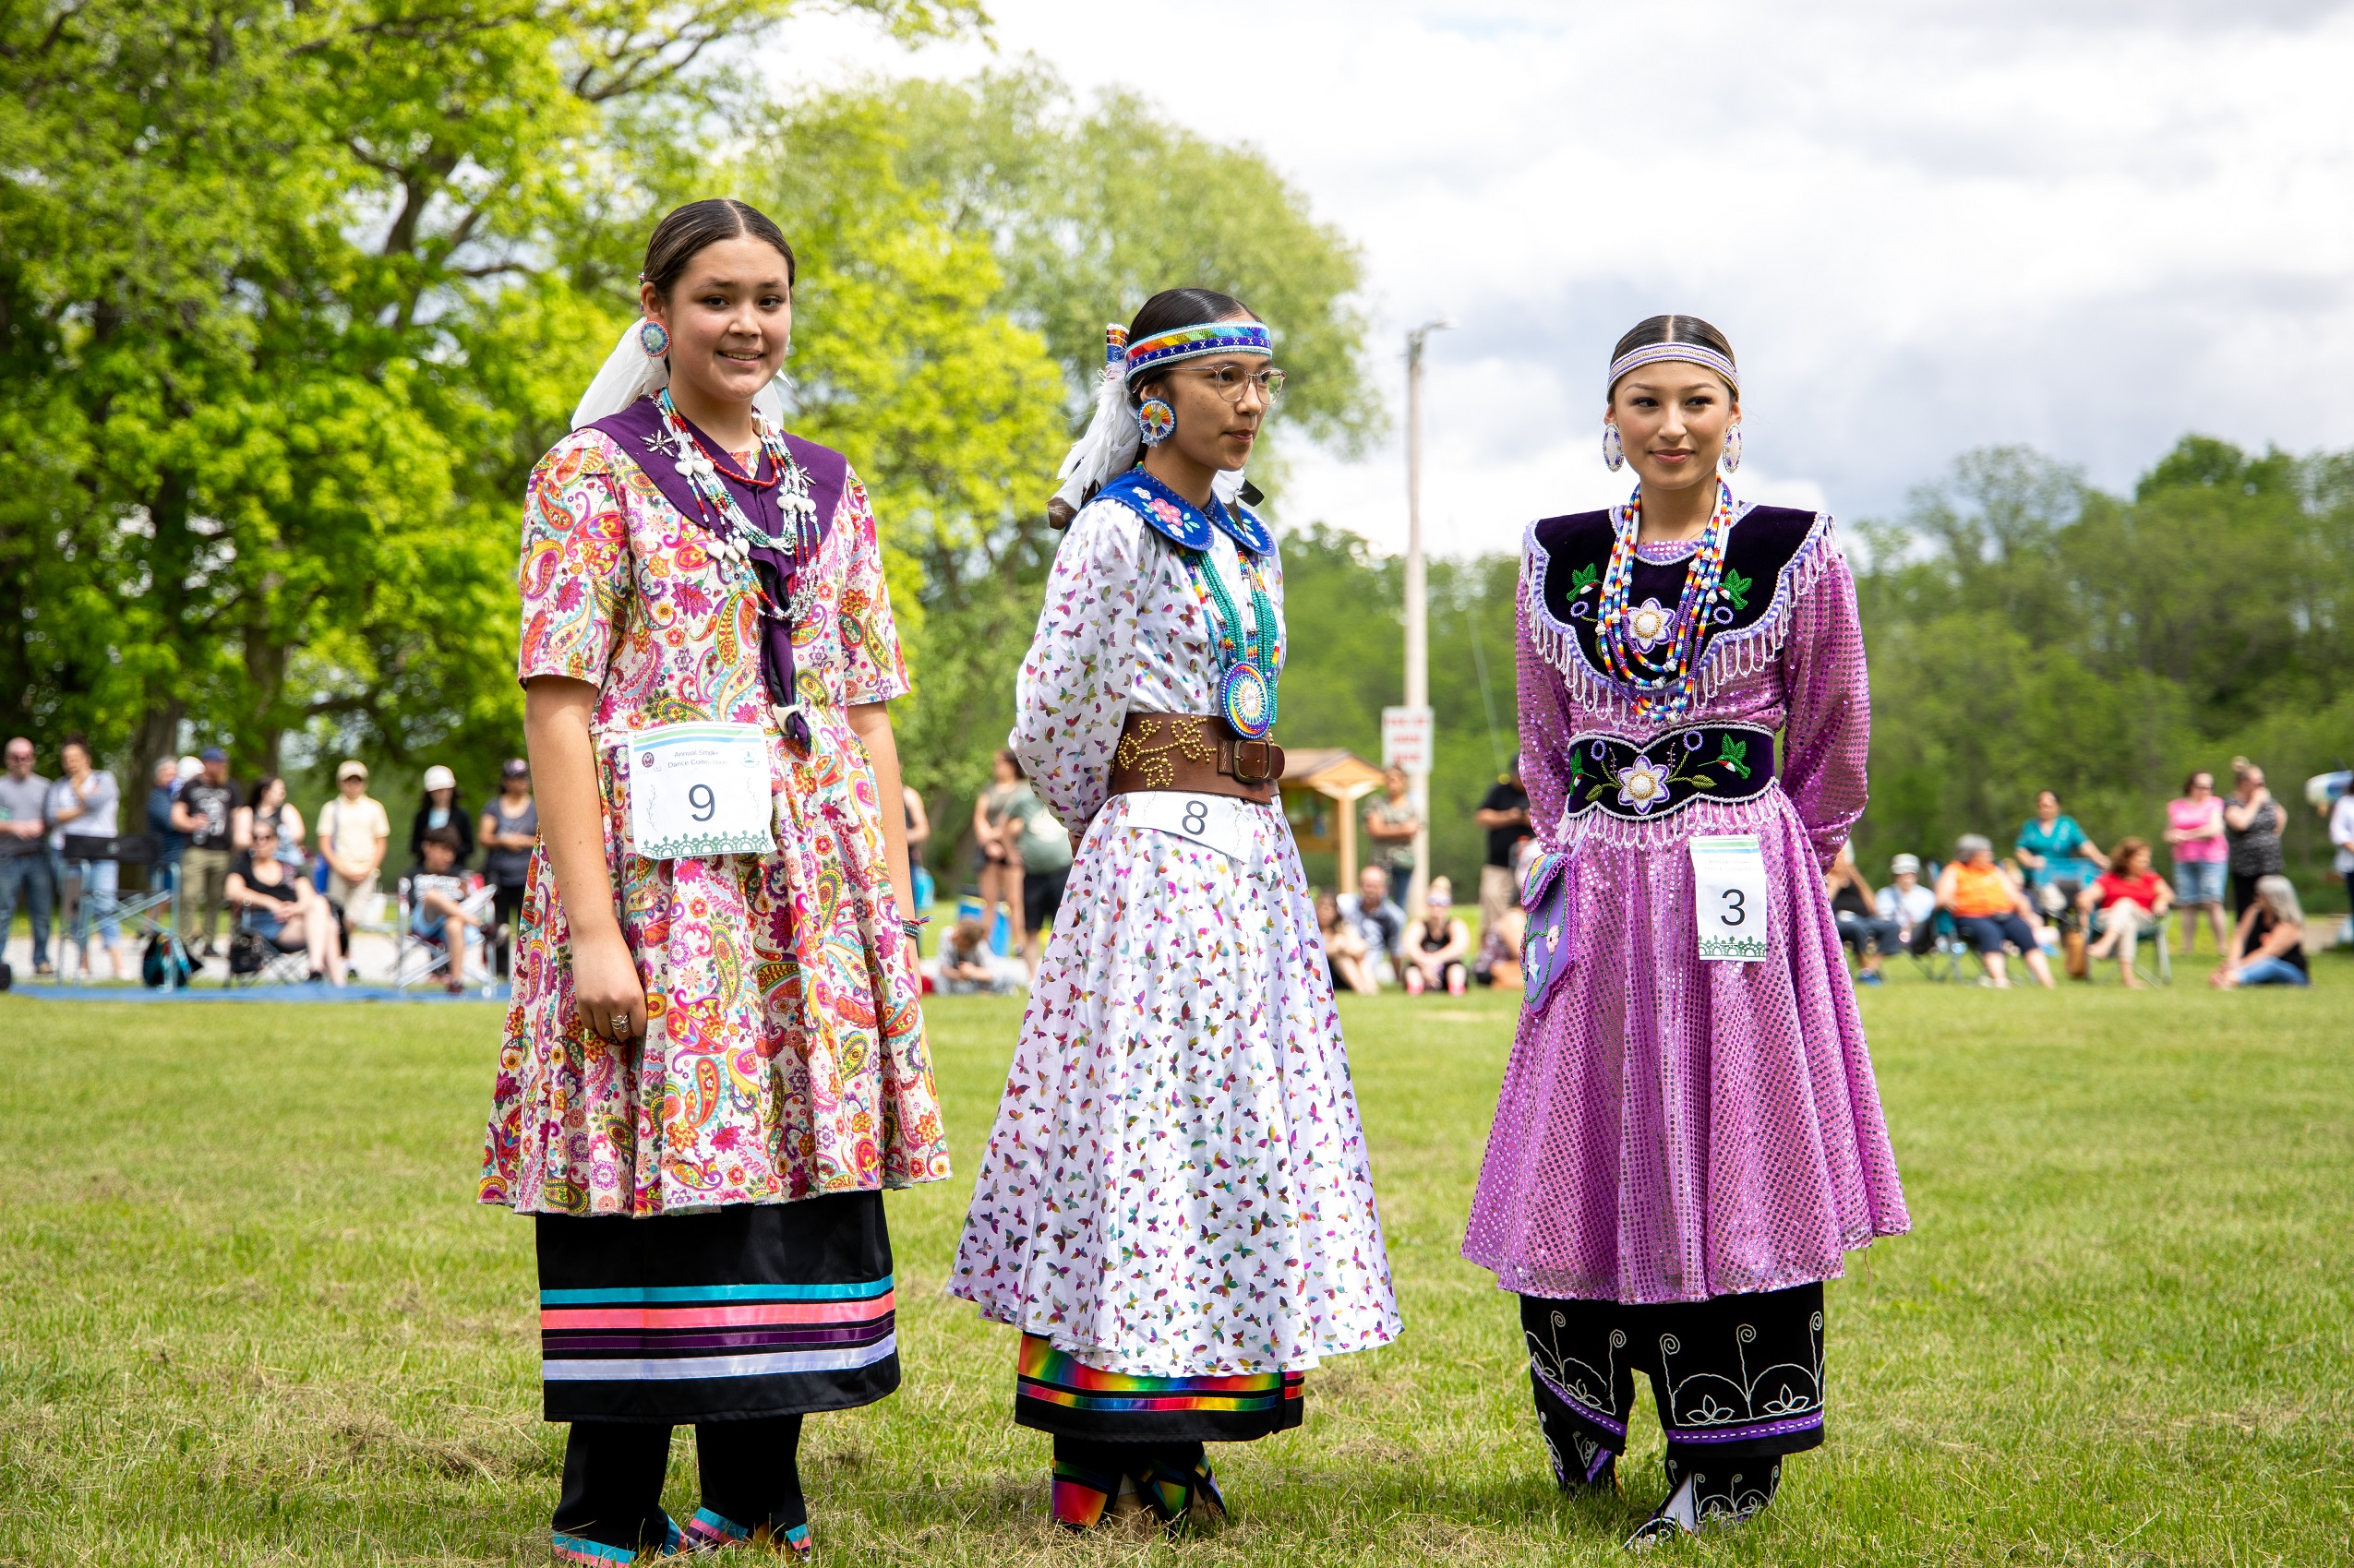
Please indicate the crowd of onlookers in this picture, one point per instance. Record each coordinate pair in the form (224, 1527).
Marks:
(2060, 894)
(247, 877)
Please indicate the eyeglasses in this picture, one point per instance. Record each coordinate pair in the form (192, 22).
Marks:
(1227, 382)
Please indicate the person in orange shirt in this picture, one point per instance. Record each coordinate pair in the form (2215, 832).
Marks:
(1989, 910)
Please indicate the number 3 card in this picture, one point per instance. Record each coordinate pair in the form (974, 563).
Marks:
(1729, 897)
(700, 789)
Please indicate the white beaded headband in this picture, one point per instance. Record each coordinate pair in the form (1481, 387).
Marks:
(1689, 354)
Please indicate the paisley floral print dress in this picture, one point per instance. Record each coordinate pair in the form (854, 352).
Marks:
(1177, 1185)
(785, 1055)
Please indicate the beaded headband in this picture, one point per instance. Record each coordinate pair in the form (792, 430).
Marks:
(1185, 342)
(1689, 354)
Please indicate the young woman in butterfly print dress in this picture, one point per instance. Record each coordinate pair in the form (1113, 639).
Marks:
(1685, 1147)
(715, 1062)
(1175, 1207)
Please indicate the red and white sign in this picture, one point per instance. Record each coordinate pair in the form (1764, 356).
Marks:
(1406, 739)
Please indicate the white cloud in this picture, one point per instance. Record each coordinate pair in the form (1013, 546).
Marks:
(2089, 227)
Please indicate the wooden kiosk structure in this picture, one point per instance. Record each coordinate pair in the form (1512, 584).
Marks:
(1321, 787)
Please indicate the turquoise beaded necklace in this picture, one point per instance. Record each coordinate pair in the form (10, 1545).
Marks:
(1247, 666)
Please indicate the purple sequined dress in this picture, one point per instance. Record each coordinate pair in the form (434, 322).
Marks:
(1672, 1130)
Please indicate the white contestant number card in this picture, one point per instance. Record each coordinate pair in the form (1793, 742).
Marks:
(1213, 820)
(700, 789)
(1729, 897)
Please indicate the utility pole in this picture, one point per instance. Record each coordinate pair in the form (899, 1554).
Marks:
(1418, 613)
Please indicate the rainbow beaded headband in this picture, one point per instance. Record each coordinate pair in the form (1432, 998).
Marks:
(1689, 354)
(1185, 342)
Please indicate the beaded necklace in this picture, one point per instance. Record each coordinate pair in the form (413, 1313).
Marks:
(1644, 648)
(1247, 667)
(733, 534)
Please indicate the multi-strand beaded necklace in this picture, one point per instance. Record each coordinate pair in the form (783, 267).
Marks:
(734, 535)
(1664, 671)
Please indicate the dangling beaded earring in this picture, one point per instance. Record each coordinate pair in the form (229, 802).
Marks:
(654, 337)
(1156, 421)
(1731, 461)
(1612, 454)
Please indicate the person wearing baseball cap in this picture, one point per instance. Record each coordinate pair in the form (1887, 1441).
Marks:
(353, 832)
(1911, 905)
(442, 808)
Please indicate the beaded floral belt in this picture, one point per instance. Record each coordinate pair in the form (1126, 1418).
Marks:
(1641, 780)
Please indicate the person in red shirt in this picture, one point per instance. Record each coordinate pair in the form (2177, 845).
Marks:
(2130, 899)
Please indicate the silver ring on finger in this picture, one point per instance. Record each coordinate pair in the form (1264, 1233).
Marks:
(621, 1025)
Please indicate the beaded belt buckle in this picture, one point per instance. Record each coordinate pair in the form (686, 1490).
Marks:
(1636, 780)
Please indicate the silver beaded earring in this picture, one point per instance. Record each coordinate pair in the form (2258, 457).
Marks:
(1612, 454)
(1731, 461)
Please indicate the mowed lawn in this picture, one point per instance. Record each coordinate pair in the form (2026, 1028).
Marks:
(249, 1312)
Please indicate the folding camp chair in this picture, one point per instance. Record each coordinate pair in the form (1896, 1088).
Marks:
(143, 913)
(420, 960)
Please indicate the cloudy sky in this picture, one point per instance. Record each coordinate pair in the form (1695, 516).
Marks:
(2084, 225)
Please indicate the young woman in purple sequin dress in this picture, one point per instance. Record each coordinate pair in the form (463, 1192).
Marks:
(1689, 1139)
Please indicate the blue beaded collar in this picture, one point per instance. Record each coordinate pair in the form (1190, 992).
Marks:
(1178, 519)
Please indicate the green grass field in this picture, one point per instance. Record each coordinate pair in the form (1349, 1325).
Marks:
(249, 1312)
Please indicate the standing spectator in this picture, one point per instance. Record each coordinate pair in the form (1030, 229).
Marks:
(24, 851)
(510, 829)
(1379, 919)
(207, 813)
(1391, 822)
(2251, 823)
(918, 836)
(1988, 910)
(442, 808)
(2060, 860)
(1855, 911)
(169, 840)
(1911, 907)
(2129, 898)
(1438, 944)
(1044, 845)
(2341, 835)
(998, 859)
(86, 803)
(280, 908)
(1505, 815)
(2268, 949)
(354, 833)
(269, 804)
(1344, 950)
(2194, 829)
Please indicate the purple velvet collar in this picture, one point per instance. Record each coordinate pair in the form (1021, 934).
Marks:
(633, 430)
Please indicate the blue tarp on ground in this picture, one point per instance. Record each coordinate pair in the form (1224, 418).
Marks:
(315, 990)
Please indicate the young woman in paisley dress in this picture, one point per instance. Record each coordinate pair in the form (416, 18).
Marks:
(1175, 1207)
(714, 1061)
(1689, 1136)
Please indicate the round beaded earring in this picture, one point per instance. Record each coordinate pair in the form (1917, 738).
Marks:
(1156, 421)
(1731, 461)
(1612, 454)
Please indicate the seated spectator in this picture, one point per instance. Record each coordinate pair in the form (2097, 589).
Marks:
(2057, 852)
(2269, 946)
(1861, 926)
(1912, 907)
(1378, 920)
(1988, 910)
(1498, 963)
(436, 901)
(279, 907)
(2123, 901)
(1438, 944)
(967, 966)
(1344, 950)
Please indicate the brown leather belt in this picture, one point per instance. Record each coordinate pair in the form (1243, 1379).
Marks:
(1194, 754)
